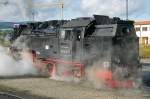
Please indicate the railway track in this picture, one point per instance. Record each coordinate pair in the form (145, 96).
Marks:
(4, 95)
(44, 88)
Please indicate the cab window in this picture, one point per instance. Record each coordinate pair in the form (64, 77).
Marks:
(65, 34)
(77, 33)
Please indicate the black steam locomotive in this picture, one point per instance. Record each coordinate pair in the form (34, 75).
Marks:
(110, 42)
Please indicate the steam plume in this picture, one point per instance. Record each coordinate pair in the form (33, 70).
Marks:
(16, 64)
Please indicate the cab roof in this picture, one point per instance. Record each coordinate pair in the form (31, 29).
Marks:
(99, 20)
(79, 22)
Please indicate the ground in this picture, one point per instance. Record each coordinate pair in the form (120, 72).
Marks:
(45, 88)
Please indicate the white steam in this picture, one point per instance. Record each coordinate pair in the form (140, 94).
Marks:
(15, 9)
(11, 67)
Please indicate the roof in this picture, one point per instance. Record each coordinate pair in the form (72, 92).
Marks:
(80, 22)
(142, 23)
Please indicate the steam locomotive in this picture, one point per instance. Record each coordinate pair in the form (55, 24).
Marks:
(99, 42)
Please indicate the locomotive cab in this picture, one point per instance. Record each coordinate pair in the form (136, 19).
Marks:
(108, 42)
(71, 39)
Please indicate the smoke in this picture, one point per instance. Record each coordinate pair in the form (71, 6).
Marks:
(16, 64)
(25, 10)
(25, 7)
(11, 67)
(92, 74)
(15, 9)
(21, 43)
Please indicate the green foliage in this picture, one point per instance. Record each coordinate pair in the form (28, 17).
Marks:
(3, 34)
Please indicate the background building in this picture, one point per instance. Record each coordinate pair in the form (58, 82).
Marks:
(143, 31)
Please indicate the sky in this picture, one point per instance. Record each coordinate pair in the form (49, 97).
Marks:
(22, 10)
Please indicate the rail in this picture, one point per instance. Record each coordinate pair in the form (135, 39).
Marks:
(9, 96)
